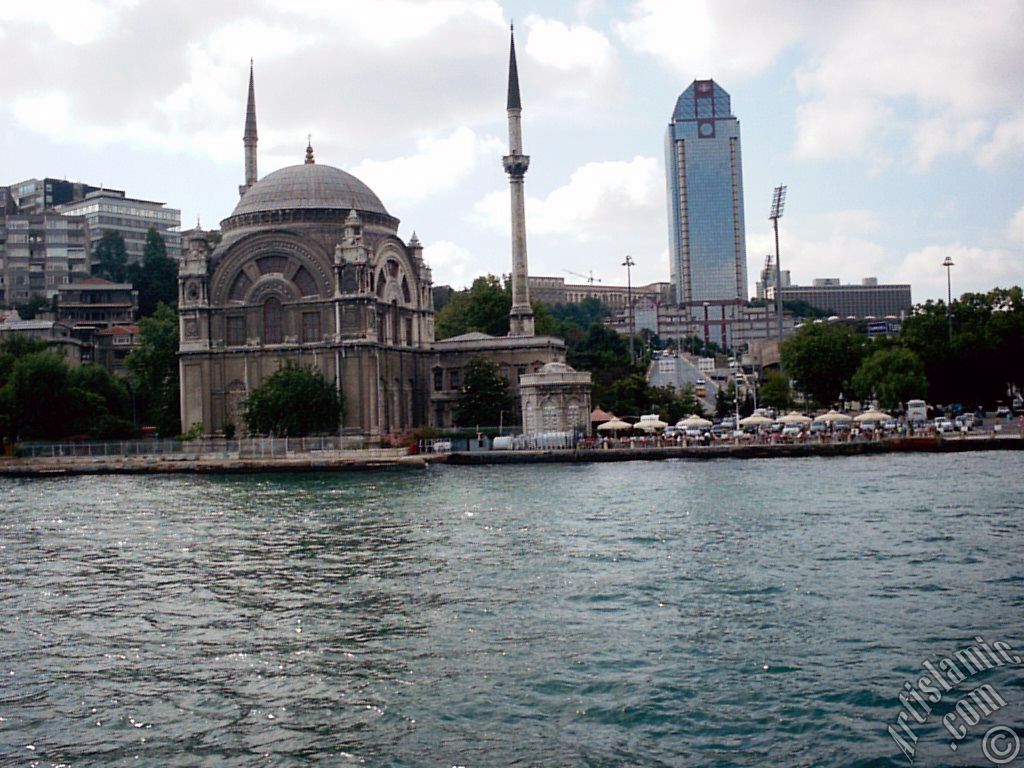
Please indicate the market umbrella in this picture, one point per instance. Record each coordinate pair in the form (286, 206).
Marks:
(650, 424)
(794, 417)
(614, 425)
(693, 421)
(834, 415)
(597, 416)
(873, 415)
(756, 421)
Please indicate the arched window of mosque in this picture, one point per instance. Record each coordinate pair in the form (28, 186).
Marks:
(406, 295)
(272, 264)
(549, 415)
(305, 282)
(392, 268)
(240, 287)
(371, 282)
(272, 332)
(573, 413)
(381, 283)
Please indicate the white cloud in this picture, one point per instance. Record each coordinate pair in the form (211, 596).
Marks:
(392, 22)
(1015, 232)
(708, 38)
(934, 76)
(79, 22)
(836, 127)
(440, 164)
(937, 137)
(1006, 142)
(600, 200)
(976, 270)
(555, 44)
(848, 257)
(451, 264)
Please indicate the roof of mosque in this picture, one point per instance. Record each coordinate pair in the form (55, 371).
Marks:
(311, 185)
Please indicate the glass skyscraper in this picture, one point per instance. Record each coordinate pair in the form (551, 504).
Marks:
(705, 201)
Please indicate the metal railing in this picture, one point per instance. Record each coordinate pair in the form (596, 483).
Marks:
(243, 448)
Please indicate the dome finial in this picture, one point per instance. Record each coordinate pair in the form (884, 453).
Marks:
(309, 149)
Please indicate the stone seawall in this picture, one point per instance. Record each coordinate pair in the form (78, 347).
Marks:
(784, 450)
(354, 461)
(167, 465)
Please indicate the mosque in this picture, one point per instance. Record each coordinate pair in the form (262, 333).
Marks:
(311, 269)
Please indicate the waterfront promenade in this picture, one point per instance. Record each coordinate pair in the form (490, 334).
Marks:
(212, 457)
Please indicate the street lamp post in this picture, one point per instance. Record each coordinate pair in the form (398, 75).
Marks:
(778, 203)
(949, 297)
(629, 264)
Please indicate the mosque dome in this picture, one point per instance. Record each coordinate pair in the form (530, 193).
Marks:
(309, 186)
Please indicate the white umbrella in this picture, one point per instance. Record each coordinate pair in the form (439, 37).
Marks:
(873, 416)
(650, 424)
(795, 418)
(834, 415)
(756, 421)
(693, 421)
(615, 425)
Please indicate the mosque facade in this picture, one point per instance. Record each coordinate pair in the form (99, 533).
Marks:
(311, 270)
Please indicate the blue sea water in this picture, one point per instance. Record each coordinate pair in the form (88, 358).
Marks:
(708, 613)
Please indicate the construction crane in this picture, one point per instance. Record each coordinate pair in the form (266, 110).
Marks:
(589, 277)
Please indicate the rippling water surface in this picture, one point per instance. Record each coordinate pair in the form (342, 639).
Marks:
(671, 613)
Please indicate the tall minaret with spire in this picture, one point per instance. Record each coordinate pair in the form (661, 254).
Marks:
(516, 163)
(249, 139)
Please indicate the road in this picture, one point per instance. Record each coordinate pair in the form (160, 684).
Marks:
(685, 373)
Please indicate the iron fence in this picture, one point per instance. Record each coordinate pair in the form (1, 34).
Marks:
(243, 448)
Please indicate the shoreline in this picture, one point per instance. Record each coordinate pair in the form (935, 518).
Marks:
(350, 461)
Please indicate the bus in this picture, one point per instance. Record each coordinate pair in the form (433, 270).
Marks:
(701, 388)
(917, 411)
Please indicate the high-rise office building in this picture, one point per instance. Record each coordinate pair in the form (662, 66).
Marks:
(109, 209)
(39, 251)
(707, 238)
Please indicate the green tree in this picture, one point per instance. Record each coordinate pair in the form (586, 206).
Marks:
(986, 355)
(671, 404)
(154, 367)
(37, 397)
(156, 277)
(42, 398)
(293, 402)
(893, 375)
(484, 307)
(112, 257)
(36, 303)
(485, 400)
(627, 396)
(100, 403)
(725, 402)
(774, 392)
(822, 358)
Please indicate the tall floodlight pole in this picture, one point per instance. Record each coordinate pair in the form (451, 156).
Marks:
(628, 264)
(778, 203)
(949, 297)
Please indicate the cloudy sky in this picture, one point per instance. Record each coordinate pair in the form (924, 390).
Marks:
(898, 127)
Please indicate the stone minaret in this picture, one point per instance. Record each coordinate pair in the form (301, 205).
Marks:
(516, 163)
(249, 139)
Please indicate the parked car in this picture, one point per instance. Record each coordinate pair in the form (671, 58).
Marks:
(943, 424)
(792, 430)
(818, 428)
(868, 427)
